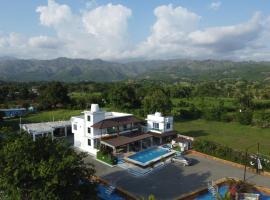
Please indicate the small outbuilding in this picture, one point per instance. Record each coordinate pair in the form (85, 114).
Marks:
(183, 142)
(56, 129)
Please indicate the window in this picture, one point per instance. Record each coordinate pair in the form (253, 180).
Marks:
(89, 142)
(89, 130)
(75, 127)
(89, 118)
(168, 126)
(156, 126)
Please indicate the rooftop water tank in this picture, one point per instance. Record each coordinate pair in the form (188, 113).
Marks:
(94, 107)
(158, 114)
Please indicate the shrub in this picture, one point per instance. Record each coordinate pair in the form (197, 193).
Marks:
(245, 117)
(107, 157)
(263, 120)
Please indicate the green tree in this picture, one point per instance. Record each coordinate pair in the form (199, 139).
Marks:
(157, 101)
(245, 116)
(45, 169)
(124, 96)
(245, 101)
(54, 94)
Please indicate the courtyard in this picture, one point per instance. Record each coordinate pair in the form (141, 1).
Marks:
(174, 180)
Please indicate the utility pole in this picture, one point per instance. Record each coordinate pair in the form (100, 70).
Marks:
(245, 171)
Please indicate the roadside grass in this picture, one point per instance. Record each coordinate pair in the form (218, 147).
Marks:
(232, 135)
(56, 115)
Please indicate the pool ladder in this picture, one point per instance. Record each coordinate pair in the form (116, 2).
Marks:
(212, 189)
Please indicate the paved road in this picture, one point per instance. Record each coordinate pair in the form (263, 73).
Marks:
(175, 180)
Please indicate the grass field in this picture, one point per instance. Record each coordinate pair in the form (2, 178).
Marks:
(42, 117)
(230, 134)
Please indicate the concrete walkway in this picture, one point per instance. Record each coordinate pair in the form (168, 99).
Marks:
(175, 180)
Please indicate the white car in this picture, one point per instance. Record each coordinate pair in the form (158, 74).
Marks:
(182, 160)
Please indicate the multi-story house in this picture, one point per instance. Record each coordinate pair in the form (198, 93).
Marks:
(122, 132)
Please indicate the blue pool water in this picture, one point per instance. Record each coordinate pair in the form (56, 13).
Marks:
(102, 194)
(222, 191)
(149, 154)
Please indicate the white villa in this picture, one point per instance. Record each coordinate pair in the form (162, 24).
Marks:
(121, 132)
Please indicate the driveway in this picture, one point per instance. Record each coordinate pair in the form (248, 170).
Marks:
(175, 180)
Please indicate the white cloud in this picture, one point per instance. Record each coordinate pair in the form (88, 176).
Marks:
(168, 32)
(176, 34)
(44, 42)
(228, 38)
(54, 14)
(215, 5)
(102, 32)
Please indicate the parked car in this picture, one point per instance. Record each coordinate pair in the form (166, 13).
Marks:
(183, 160)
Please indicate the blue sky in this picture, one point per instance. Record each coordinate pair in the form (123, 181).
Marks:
(136, 29)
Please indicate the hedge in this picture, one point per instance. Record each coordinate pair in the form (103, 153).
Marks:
(107, 157)
(227, 153)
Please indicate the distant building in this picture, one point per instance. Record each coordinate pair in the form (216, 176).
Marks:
(14, 112)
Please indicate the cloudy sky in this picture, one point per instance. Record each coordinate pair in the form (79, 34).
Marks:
(135, 29)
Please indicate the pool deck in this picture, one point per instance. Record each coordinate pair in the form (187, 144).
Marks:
(175, 180)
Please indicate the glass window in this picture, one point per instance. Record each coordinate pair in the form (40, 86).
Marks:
(89, 130)
(156, 126)
(168, 126)
(75, 127)
(89, 118)
(89, 142)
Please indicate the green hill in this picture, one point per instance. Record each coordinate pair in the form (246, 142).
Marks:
(73, 70)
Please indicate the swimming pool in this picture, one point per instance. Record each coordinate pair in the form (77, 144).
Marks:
(222, 191)
(148, 156)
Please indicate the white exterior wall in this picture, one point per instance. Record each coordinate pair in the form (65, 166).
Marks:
(161, 120)
(81, 135)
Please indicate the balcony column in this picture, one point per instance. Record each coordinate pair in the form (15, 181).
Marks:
(151, 139)
(127, 147)
(65, 131)
(141, 144)
(160, 140)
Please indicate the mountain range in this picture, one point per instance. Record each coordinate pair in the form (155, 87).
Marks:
(73, 70)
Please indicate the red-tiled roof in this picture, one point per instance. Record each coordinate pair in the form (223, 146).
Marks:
(108, 123)
(125, 139)
(161, 135)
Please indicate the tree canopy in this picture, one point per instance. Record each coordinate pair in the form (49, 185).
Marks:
(45, 169)
(53, 94)
(157, 101)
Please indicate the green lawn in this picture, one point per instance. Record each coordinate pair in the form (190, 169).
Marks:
(230, 134)
(42, 117)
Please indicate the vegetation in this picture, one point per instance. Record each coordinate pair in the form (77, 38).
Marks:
(53, 95)
(71, 70)
(232, 135)
(231, 112)
(45, 169)
(106, 157)
(230, 154)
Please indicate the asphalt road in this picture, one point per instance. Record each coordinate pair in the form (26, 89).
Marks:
(175, 180)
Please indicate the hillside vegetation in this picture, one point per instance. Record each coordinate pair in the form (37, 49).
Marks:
(74, 70)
